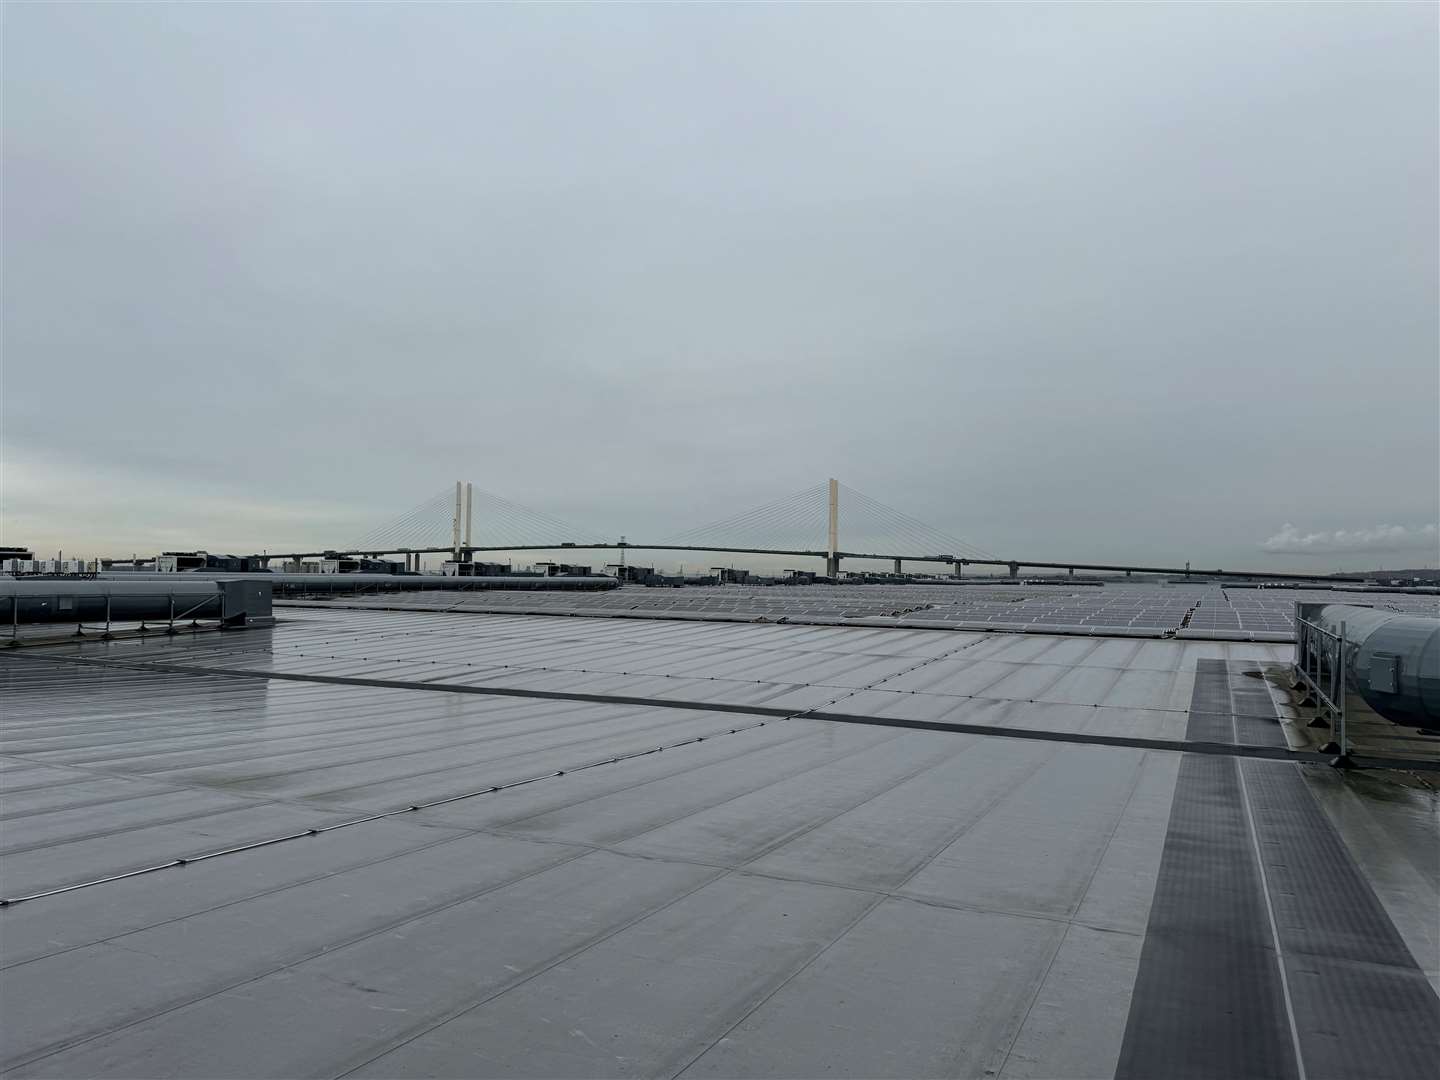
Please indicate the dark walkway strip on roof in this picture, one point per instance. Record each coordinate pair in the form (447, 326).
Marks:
(1253, 709)
(1208, 1001)
(1210, 996)
(1363, 1007)
(1223, 746)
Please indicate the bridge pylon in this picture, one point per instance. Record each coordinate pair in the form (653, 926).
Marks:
(464, 516)
(832, 558)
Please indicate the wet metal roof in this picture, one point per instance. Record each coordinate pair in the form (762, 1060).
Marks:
(390, 843)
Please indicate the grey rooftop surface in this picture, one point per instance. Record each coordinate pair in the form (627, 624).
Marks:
(416, 843)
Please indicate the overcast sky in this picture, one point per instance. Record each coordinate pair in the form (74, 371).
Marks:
(1113, 282)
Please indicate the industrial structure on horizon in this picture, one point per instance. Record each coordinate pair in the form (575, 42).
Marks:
(805, 525)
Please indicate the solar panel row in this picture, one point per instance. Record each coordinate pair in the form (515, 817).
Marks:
(1199, 610)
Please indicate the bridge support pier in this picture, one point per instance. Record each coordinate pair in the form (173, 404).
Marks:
(832, 565)
(1014, 569)
(959, 568)
(898, 571)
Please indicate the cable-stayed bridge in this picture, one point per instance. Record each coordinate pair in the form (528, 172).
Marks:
(829, 521)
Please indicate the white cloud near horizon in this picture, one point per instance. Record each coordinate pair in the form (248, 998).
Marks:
(1377, 538)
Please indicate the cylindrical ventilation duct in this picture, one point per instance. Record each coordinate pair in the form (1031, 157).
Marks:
(159, 597)
(295, 584)
(1392, 661)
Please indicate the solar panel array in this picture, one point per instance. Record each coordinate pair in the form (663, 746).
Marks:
(1272, 610)
(1147, 610)
(740, 601)
(1118, 609)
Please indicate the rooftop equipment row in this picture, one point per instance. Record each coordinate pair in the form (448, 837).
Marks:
(232, 601)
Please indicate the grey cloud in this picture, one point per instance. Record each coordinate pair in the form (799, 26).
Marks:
(1120, 282)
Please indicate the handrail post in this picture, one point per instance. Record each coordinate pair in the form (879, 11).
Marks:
(1340, 700)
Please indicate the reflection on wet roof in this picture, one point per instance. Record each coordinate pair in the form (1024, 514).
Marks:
(388, 842)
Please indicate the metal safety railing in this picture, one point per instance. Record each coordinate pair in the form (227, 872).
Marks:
(1320, 665)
